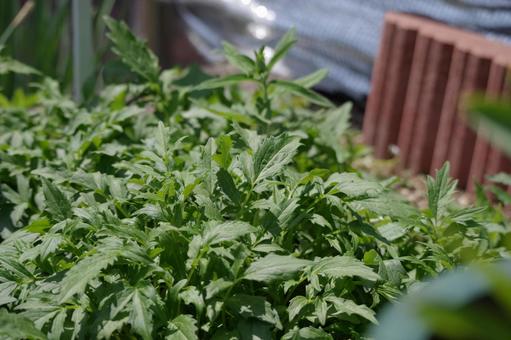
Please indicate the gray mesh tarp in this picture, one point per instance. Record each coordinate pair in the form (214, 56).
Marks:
(340, 35)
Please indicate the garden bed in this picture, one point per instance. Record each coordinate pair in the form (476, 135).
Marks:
(181, 208)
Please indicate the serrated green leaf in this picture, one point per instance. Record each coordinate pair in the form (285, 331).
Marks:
(57, 327)
(333, 129)
(301, 91)
(307, 333)
(217, 286)
(141, 318)
(77, 318)
(162, 140)
(23, 186)
(344, 306)
(440, 191)
(237, 59)
(223, 157)
(274, 267)
(321, 310)
(84, 271)
(18, 327)
(229, 80)
(272, 155)
(228, 187)
(38, 226)
(463, 216)
(312, 79)
(192, 296)
(268, 248)
(8, 65)
(249, 306)
(207, 168)
(384, 205)
(286, 42)
(392, 231)
(226, 231)
(132, 51)
(352, 185)
(57, 203)
(183, 327)
(296, 305)
(14, 267)
(49, 245)
(343, 266)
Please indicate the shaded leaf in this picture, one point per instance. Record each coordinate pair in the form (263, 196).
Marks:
(227, 186)
(254, 329)
(249, 306)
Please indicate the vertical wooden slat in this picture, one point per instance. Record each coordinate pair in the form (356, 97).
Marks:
(498, 161)
(432, 97)
(449, 109)
(411, 106)
(374, 102)
(423, 71)
(463, 141)
(480, 161)
(399, 66)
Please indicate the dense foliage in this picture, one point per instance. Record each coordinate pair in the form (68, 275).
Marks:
(181, 207)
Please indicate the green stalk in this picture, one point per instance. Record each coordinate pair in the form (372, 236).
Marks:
(18, 19)
(82, 45)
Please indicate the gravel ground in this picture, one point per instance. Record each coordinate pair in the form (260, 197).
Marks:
(412, 187)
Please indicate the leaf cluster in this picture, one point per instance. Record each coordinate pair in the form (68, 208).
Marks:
(180, 208)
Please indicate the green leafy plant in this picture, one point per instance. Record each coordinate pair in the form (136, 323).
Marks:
(180, 209)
